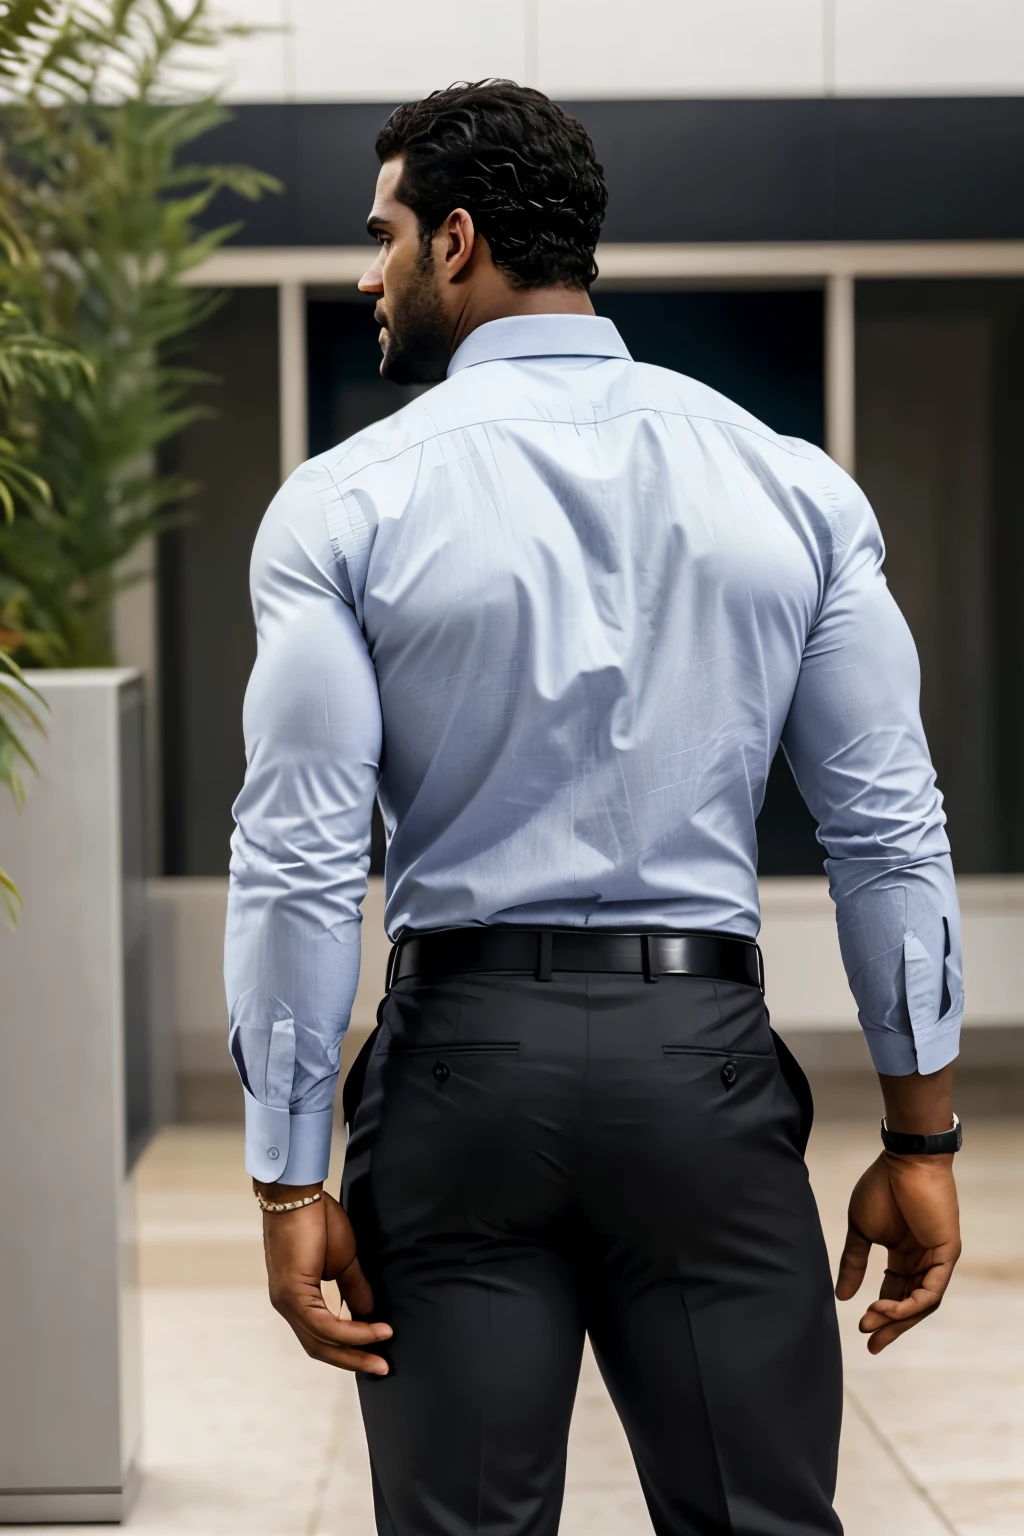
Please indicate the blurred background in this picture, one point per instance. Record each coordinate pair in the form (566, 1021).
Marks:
(817, 207)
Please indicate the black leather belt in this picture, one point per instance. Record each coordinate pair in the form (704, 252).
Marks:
(540, 951)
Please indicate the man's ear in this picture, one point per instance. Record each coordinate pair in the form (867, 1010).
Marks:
(459, 237)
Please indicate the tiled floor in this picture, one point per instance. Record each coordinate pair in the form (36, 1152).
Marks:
(245, 1435)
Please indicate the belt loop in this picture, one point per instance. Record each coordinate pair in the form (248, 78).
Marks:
(389, 975)
(544, 955)
(650, 965)
(760, 968)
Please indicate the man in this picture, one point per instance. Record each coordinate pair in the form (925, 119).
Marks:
(557, 615)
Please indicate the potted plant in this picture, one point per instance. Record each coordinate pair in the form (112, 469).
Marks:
(94, 180)
(99, 215)
(17, 714)
(30, 363)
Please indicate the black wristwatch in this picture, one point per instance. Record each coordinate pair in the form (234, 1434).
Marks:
(904, 1141)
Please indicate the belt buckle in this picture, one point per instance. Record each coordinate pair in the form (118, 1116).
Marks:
(542, 971)
(389, 974)
(649, 956)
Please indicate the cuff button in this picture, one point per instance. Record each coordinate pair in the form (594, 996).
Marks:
(273, 1154)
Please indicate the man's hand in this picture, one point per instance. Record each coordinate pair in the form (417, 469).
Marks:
(907, 1205)
(302, 1249)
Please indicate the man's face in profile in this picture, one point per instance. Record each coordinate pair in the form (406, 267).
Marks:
(415, 333)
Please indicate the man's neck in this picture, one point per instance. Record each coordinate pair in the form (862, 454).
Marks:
(498, 301)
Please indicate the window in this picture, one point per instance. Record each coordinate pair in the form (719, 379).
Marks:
(940, 402)
(207, 644)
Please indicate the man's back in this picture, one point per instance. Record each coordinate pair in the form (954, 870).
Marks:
(586, 598)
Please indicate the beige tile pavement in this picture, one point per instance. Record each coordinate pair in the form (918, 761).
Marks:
(948, 1399)
(245, 1436)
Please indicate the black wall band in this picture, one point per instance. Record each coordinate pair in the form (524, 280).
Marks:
(792, 170)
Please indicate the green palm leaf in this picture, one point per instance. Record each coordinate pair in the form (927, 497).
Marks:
(21, 707)
(100, 217)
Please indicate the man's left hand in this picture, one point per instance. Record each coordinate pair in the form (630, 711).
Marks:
(908, 1205)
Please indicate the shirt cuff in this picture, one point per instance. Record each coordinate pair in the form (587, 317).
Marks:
(938, 1045)
(284, 1148)
(897, 1055)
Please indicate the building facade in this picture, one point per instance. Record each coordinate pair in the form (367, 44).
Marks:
(816, 206)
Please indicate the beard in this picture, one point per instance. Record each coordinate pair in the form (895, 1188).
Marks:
(416, 350)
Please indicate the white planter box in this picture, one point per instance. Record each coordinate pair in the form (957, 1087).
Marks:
(75, 1096)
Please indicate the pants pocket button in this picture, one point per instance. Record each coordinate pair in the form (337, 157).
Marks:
(729, 1073)
(441, 1071)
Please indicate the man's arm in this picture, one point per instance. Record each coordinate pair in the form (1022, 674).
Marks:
(856, 745)
(299, 861)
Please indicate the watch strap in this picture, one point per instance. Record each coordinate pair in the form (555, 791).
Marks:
(923, 1146)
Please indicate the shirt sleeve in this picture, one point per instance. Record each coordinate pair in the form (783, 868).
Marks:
(857, 748)
(301, 847)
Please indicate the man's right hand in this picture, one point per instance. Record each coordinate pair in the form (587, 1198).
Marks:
(302, 1249)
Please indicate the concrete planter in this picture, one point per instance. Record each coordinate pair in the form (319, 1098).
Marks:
(75, 1108)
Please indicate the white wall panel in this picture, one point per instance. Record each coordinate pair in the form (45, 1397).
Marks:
(335, 50)
(254, 68)
(945, 47)
(681, 48)
(354, 52)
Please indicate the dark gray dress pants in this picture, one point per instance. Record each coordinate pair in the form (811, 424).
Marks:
(531, 1162)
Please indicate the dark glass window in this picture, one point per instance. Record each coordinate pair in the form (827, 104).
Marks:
(207, 641)
(763, 349)
(940, 402)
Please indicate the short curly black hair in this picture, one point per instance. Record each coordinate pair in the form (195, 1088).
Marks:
(523, 169)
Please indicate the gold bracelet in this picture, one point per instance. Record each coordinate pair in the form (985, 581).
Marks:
(286, 1205)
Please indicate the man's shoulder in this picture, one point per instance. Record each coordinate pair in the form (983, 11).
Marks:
(677, 394)
(451, 405)
(814, 492)
(470, 398)
(380, 443)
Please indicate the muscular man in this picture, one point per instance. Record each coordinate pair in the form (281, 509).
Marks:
(558, 615)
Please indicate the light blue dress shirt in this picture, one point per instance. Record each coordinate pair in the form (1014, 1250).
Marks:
(558, 614)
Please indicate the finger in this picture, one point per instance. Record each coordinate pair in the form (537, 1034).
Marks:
(895, 1285)
(341, 1346)
(325, 1328)
(853, 1264)
(887, 1335)
(348, 1359)
(355, 1289)
(350, 1335)
(925, 1295)
(908, 1312)
(310, 1314)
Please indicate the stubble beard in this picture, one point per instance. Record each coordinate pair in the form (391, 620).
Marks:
(417, 351)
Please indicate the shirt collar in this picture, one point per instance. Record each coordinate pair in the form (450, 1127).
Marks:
(539, 336)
